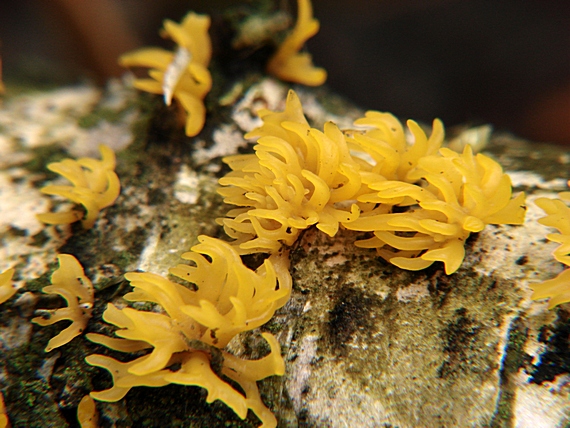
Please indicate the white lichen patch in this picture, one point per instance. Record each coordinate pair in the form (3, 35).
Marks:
(117, 136)
(336, 254)
(543, 405)
(268, 94)
(119, 94)
(414, 292)
(54, 117)
(318, 114)
(20, 202)
(227, 140)
(533, 180)
(148, 259)
(49, 117)
(538, 316)
(17, 333)
(298, 380)
(186, 186)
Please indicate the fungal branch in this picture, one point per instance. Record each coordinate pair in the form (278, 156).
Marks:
(7, 289)
(182, 75)
(69, 282)
(291, 65)
(558, 217)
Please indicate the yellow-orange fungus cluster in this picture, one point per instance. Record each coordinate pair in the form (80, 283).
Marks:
(68, 281)
(95, 185)
(7, 289)
(419, 200)
(182, 75)
(186, 339)
(298, 177)
(291, 65)
(558, 217)
(458, 194)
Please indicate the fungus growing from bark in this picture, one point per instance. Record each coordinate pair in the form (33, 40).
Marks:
(95, 186)
(68, 281)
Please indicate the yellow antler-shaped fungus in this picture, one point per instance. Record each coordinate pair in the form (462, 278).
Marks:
(4, 421)
(385, 142)
(87, 413)
(558, 216)
(95, 185)
(228, 298)
(7, 289)
(291, 65)
(298, 177)
(231, 298)
(70, 282)
(463, 194)
(182, 75)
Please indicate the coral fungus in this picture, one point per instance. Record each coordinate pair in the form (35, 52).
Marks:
(95, 185)
(4, 422)
(291, 65)
(68, 281)
(558, 216)
(186, 340)
(385, 142)
(458, 194)
(182, 75)
(87, 413)
(7, 289)
(298, 177)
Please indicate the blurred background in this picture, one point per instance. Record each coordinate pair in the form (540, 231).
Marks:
(504, 62)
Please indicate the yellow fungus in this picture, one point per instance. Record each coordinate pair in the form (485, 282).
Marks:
(298, 177)
(123, 381)
(385, 142)
(195, 325)
(182, 75)
(68, 281)
(87, 413)
(7, 289)
(4, 422)
(558, 216)
(462, 194)
(291, 65)
(95, 185)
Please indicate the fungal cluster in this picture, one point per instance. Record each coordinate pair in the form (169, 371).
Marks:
(558, 217)
(417, 200)
(420, 201)
(95, 186)
(221, 298)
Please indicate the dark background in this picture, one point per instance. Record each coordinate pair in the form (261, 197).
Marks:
(505, 62)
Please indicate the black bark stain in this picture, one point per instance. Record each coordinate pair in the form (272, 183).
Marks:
(556, 359)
